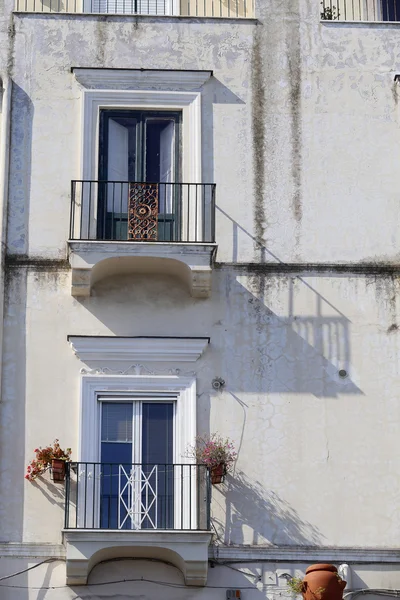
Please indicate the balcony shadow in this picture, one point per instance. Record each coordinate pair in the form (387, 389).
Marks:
(289, 348)
(272, 520)
(307, 354)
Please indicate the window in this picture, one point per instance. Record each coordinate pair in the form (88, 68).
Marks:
(139, 147)
(137, 484)
(139, 7)
(133, 472)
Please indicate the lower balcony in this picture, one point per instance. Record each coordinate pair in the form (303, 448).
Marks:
(119, 226)
(157, 511)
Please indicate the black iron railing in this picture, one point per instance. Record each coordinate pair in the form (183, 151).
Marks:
(142, 211)
(182, 8)
(137, 496)
(360, 10)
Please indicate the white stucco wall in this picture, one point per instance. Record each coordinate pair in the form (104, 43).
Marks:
(300, 132)
(311, 445)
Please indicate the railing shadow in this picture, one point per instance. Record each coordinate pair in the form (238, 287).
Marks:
(272, 520)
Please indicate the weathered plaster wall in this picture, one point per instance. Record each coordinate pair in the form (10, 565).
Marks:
(311, 445)
(300, 127)
(300, 133)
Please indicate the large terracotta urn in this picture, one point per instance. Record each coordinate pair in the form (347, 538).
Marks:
(322, 582)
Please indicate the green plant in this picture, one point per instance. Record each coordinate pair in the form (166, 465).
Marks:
(43, 458)
(329, 13)
(296, 585)
(213, 450)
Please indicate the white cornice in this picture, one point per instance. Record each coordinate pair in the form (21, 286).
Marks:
(106, 350)
(137, 79)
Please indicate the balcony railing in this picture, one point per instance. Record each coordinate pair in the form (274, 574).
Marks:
(137, 496)
(143, 212)
(360, 10)
(183, 8)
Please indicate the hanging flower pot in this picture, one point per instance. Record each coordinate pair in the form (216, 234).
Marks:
(322, 582)
(51, 457)
(217, 473)
(58, 470)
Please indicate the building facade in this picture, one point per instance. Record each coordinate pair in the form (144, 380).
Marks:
(199, 213)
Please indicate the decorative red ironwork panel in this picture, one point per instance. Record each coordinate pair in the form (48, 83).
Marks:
(143, 212)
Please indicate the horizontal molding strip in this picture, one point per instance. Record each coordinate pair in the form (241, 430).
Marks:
(305, 268)
(30, 550)
(305, 554)
(301, 554)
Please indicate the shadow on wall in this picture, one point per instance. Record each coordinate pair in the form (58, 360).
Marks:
(274, 519)
(214, 92)
(20, 171)
(268, 352)
(307, 354)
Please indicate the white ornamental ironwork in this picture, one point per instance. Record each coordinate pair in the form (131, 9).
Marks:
(137, 497)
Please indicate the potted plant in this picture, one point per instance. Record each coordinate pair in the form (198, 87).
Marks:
(329, 13)
(53, 457)
(322, 582)
(217, 453)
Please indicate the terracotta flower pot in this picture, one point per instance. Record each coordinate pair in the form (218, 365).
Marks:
(58, 470)
(322, 582)
(217, 473)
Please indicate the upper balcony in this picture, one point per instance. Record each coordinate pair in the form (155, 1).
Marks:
(120, 226)
(160, 511)
(360, 10)
(231, 9)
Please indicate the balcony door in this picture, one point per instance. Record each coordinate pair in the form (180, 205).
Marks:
(138, 167)
(137, 482)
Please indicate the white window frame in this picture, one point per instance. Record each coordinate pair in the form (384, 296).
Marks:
(112, 388)
(187, 102)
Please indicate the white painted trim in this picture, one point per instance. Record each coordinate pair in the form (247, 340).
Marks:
(145, 79)
(188, 102)
(109, 350)
(92, 386)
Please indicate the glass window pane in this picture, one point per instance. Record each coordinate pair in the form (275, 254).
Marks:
(160, 149)
(157, 430)
(116, 422)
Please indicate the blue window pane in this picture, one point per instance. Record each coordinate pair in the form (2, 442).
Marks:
(116, 421)
(390, 10)
(157, 449)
